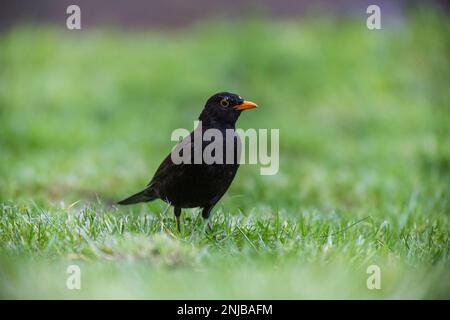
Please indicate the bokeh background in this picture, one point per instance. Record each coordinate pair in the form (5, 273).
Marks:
(86, 118)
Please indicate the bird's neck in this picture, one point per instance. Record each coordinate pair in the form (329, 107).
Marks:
(216, 124)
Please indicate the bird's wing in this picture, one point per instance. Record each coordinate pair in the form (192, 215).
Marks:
(168, 167)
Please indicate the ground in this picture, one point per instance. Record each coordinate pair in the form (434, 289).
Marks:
(86, 118)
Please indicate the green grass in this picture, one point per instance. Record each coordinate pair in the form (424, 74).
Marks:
(86, 117)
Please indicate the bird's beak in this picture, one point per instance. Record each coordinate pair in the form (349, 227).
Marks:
(245, 105)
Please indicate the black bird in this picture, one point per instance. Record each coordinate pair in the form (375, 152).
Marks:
(191, 185)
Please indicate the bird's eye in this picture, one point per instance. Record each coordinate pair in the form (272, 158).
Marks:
(224, 103)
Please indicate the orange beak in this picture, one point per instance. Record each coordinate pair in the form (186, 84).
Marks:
(245, 105)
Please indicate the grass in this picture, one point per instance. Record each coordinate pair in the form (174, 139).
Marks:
(86, 117)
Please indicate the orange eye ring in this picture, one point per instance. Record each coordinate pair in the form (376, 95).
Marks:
(224, 103)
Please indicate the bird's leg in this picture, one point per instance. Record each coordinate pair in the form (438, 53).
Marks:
(206, 212)
(177, 212)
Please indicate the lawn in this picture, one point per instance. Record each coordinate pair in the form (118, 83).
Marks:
(86, 118)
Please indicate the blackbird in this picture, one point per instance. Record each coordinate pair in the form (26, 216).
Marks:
(191, 184)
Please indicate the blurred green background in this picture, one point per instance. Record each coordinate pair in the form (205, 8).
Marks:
(86, 118)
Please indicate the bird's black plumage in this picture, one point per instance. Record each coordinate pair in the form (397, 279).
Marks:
(190, 185)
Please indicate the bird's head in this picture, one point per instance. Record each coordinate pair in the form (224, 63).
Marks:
(224, 108)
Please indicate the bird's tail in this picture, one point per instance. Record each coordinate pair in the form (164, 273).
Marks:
(143, 196)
